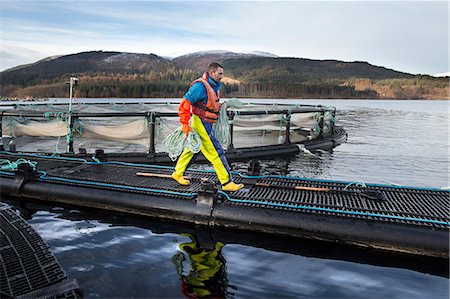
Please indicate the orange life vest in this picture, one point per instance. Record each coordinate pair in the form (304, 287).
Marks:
(210, 111)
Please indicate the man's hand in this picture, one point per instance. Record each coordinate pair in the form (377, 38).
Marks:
(186, 129)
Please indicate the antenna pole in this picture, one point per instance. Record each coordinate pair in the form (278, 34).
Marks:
(73, 81)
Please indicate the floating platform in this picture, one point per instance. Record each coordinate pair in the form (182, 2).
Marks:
(306, 126)
(28, 269)
(401, 219)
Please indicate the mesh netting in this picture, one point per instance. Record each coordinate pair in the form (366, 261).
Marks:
(50, 129)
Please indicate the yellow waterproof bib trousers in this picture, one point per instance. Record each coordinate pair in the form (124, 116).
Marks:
(210, 148)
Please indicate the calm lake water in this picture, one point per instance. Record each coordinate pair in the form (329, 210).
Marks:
(391, 142)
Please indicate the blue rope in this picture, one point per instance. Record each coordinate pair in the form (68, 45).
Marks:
(333, 210)
(7, 173)
(128, 164)
(45, 177)
(337, 181)
(43, 156)
(85, 161)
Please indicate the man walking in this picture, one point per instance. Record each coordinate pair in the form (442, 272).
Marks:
(202, 99)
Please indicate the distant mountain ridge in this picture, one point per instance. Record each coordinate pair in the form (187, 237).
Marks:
(96, 61)
(253, 74)
(198, 61)
(255, 69)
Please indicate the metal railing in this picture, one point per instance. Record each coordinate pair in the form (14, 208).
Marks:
(152, 117)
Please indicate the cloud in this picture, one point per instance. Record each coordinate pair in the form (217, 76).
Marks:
(11, 56)
(406, 36)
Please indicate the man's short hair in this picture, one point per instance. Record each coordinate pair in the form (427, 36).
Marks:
(214, 66)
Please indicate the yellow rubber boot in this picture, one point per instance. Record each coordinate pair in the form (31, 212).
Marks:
(231, 186)
(180, 179)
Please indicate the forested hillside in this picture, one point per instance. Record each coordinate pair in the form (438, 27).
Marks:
(116, 74)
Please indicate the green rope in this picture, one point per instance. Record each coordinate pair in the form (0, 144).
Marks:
(194, 142)
(69, 136)
(56, 116)
(8, 165)
(78, 126)
(176, 142)
(357, 184)
(10, 126)
(221, 127)
(57, 145)
(284, 119)
(329, 121)
(159, 127)
(317, 117)
(11, 122)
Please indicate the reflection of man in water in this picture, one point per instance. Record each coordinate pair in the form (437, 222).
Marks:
(207, 274)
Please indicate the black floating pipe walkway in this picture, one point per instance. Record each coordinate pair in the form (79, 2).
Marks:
(402, 219)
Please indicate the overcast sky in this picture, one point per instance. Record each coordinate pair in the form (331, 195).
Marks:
(407, 36)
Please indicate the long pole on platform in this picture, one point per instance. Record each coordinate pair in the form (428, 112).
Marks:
(73, 81)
